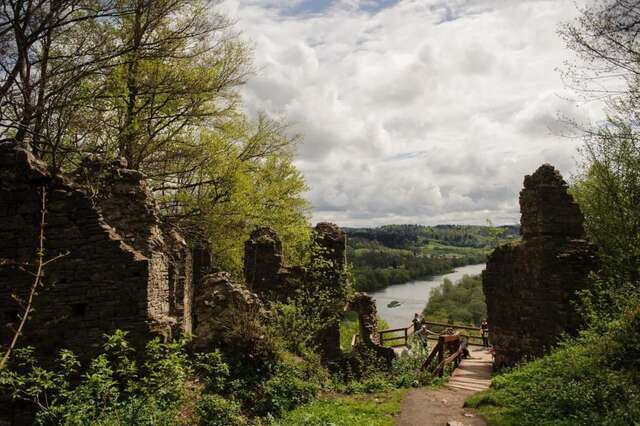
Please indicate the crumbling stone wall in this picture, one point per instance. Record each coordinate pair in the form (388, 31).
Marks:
(264, 268)
(267, 274)
(328, 271)
(365, 307)
(218, 305)
(182, 280)
(333, 243)
(530, 286)
(117, 272)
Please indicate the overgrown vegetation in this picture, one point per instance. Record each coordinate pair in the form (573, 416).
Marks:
(170, 384)
(359, 410)
(262, 369)
(591, 380)
(459, 303)
(156, 84)
(395, 254)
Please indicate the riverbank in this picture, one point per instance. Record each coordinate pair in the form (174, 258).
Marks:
(414, 295)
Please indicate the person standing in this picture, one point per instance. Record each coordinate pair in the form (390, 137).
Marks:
(417, 322)
(484, 328)
(464, 342)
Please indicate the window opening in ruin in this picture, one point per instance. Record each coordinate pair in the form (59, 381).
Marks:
(79, 309)
(349, 326)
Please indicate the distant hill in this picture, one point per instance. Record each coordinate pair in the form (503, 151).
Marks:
(404, 236)
(395, 254)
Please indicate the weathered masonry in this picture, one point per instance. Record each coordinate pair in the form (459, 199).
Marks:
(120, 269)
(268, 275)
(530, 287)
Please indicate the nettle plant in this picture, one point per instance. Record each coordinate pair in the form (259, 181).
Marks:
(116, 387)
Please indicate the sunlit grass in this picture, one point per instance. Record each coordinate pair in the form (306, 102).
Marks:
(357, 410)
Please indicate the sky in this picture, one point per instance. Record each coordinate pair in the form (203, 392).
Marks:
(415, 111)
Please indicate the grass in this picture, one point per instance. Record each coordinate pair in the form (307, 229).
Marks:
(584, 382)
(435, 248)
(349, 325)
(357, 410)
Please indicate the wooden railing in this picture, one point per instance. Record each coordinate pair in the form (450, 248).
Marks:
(445, 342)
(398, 337)
(402, 334)
(389, 335)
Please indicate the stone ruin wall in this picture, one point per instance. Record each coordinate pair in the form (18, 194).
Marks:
(365, 307)
(121, 271)
(531, 286)
(267, 274)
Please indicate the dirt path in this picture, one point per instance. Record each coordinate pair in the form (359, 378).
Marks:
(437, 407)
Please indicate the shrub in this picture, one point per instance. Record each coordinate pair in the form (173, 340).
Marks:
(212, 370)
(112, 390)
(584, 382)
(285, 390)
(214, 410)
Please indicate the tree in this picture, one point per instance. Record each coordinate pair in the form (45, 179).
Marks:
(608, 192)
(607, 188)
(249, 180)
(606, 36)
(48, 48)
(154, 82)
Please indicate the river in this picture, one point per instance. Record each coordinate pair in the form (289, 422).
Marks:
(413, 296)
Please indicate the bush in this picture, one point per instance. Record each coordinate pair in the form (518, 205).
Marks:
(375, 383)
(284, 391)
(591, 380)
(405, 370)
(214, 410)
(113, 389)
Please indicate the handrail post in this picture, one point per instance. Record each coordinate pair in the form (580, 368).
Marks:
(406, 337)
(440, 354)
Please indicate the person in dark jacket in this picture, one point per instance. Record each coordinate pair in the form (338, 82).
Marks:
(417, 322)
(484, 328)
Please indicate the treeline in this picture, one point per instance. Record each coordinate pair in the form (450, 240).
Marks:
(376, 270)
(395, 254)
(403, 236)
(460, 303)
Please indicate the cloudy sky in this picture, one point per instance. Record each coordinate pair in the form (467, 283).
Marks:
(415, 111)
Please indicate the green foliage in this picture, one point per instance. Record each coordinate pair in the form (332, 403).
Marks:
(214, 410)
(591, 380)
(252, 354)
(312, 305)
(608, 191)
(256, 184)
(462, 302)
(362, 371)
(405, 370)
(404, 236)
(285, 390)
(156, 83)
(349, 325)
(111, 390)
(211, 369)
(367, 410)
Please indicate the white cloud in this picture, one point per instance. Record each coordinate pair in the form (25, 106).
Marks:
(421, 112)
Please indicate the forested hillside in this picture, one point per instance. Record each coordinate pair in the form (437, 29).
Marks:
(395, 254)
